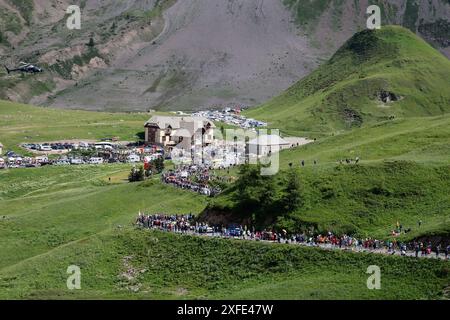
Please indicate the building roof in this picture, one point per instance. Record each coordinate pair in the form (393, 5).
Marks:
(269, 140)
(181, 133)
(176, 122)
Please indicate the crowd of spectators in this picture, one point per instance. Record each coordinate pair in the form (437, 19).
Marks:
(187, 224)
(194, 177)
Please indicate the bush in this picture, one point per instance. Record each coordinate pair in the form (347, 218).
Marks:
(136, 174)
(292, 196)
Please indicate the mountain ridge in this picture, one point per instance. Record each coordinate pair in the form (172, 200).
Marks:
(193, 54)
(375, 76)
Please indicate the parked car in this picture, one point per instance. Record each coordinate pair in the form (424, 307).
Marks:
(83, 145)
(104, 146)
(95, 160)
(201, 229)
(42, 159)
(45, 147)
(62, 163)
(76, 161)
(133, 158)
(235, 232)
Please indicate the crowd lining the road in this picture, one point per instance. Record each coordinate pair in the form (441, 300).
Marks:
(185, 224)
(195, 178)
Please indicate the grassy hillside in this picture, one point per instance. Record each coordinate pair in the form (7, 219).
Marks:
(366, 200)
(352, 89)
(21, 123)
(49, 207)
(53, 217)
(125, 263)
(424, 140)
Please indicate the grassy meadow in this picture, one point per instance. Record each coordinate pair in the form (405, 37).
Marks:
(423, 140)
(141, 264)
(48, 207)
(21, 123)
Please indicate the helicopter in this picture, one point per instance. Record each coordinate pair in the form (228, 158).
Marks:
(25, 67)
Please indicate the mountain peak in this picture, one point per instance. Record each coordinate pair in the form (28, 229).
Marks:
(376, 75)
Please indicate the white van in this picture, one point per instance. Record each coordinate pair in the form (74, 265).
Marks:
(95, 160)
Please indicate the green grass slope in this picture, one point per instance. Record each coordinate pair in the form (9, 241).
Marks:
(347, 91)
(424, 140)
(53, 217)
(133, 264)
(365, 200)
(45, 208)
(20, 123)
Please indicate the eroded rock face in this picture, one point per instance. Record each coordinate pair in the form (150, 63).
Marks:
(94, 64)
(437, 32)
(198, 53)
(351, 117)
(387, 96)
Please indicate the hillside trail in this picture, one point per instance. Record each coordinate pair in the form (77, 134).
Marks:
(353, 249)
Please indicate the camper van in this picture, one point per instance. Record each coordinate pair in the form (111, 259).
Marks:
(104, 146)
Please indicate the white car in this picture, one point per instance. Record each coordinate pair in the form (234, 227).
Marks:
(76, 161)
(133, 158)
(62, 163)
(44, 147)
(95, 160)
